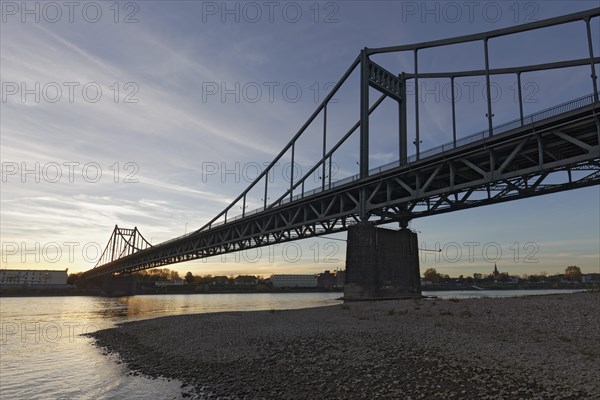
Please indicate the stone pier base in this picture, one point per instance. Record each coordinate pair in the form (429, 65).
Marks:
(381, 263)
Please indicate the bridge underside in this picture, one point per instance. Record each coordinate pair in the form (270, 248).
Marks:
(557, 154)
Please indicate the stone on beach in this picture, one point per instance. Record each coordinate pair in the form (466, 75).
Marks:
(527, 347)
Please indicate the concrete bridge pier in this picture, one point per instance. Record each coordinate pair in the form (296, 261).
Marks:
(381, 263)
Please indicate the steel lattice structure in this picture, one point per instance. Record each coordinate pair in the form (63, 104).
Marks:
(123, 242)
(553, 150)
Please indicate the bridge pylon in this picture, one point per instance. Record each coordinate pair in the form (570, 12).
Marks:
(123, 242)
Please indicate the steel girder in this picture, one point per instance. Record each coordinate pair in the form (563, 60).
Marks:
(559, 157)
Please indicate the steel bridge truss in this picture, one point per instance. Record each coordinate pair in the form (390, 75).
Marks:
(561, 154)
(123, 242)
(550, 151)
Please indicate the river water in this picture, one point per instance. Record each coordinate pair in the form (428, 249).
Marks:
(44, 355)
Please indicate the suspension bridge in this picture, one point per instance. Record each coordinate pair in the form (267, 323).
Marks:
(549, 151)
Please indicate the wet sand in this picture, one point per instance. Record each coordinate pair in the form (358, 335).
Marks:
(542, 347)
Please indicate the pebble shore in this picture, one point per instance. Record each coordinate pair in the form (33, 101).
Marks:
(535, 347)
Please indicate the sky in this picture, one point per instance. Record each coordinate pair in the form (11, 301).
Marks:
(157, 114)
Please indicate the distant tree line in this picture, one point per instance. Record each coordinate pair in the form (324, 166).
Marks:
(149, 275)
(572, 273)
(156, 274)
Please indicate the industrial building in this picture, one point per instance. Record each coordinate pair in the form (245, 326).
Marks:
(284, 280)
(33, 278)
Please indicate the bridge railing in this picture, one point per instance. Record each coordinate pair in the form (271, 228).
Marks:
(529, 120)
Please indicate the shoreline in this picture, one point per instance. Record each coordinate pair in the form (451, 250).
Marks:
(97, 292)
(520, 347)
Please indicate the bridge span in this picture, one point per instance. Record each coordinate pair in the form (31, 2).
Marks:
(552, 150)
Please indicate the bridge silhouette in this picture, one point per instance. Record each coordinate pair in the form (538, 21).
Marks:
(552, 150)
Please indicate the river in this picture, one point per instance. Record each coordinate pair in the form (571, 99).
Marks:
(43, 352)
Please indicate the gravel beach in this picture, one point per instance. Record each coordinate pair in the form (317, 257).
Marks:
(542, 347)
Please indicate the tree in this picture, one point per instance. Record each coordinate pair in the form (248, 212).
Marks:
(205, 279)
(431, 275)
(189, 278)
(159, 274)
(573, 273)
(73, 278)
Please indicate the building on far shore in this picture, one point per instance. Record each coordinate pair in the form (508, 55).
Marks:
(496, 274)
(285, 280)
(220, 280)
(33, 278)
(245, 280)
(326, 280)
(173, 282)
(590, 278)
(340, 278)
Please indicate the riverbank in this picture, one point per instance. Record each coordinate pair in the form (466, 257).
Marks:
(528, 347)
(30, 292)
(185, 289)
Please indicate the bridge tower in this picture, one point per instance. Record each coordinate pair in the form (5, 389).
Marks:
(380, 263)
(123, 242)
